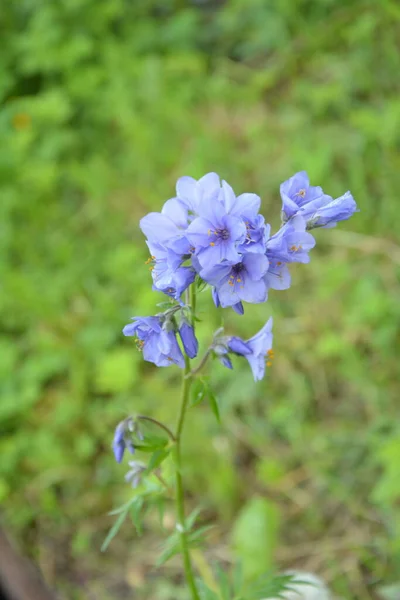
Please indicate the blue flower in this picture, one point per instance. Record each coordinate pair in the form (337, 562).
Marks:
(318, 209)
(122, 438)
(243, 280)
(257, 350)
(216, 234)
(246, 207)
(168, 276)
(327, 212)
(296, 192)
(157, 339)
(291, 243)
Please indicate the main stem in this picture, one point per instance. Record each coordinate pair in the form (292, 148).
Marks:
(180, 497)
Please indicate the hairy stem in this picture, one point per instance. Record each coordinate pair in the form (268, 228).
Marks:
(180, 499)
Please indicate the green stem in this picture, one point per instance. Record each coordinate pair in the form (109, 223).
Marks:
(180, 498)
(193, 302)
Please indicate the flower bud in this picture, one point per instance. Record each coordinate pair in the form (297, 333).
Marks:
(189, 341)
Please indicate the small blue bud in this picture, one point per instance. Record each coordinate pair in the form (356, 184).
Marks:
(189, 341)
(238, 346)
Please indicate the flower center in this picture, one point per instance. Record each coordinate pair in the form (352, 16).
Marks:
(301, 193)
(222, 234)
(235, 276)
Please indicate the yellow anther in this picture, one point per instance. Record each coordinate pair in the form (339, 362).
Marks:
(269, 364)
(301, 193)
(238, 280)
(212, 243)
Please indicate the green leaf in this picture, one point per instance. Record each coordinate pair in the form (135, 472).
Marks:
(214, 404)
(206, 593)
(198, 392)
(114, 530)
(255, 535)
(224, 584)
(157, 458)
(135, 514)
(191, 519)
(124, 508)
(195, 536)
(171, 547)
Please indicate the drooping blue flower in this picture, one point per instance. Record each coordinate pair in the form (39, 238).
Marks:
(243, 280)
(238, 346)
(156, 337)
(257, 350)
(291, 243)
(216, 235)
(317, 208)
(122, 438)
(189, 340)
(326, 212)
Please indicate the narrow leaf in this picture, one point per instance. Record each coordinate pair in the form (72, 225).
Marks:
(114, 530)
(135, 514)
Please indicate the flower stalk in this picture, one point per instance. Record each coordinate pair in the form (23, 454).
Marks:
(179, 495)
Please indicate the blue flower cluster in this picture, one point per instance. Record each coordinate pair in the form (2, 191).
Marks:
(208, 232)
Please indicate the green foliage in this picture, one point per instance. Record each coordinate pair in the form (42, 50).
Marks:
(255, 536)
(260, 588)
(104, 105)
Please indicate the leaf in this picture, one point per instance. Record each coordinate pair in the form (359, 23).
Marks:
(157, 458)
(198, 392)
(124, 507)
(206, 593)
(255, 536)
(135, 514)
(171, 547)
(270, 586)
(195, 536)
(149, 447)
(213, 403)
(224, 584)
(114, 530)
(191, 519)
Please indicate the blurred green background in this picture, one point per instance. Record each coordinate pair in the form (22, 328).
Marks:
(104, 105)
